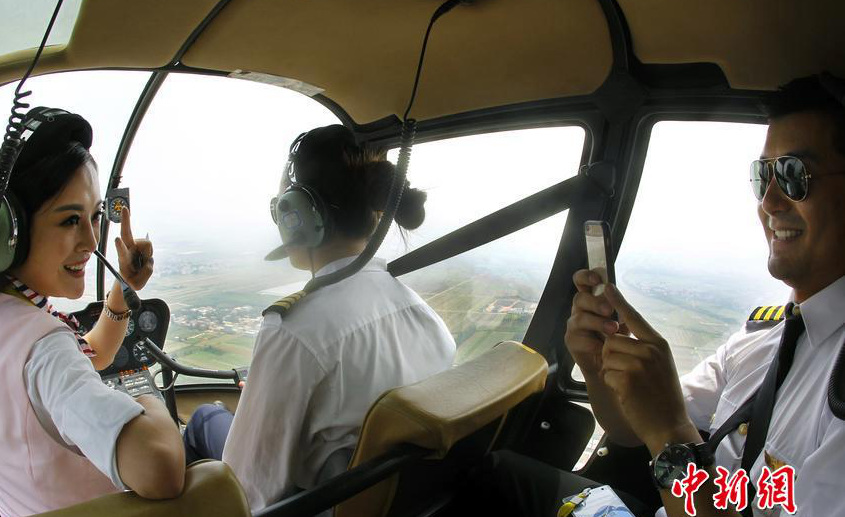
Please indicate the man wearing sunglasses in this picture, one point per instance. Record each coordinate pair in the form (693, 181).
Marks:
(757, 417)
(762, 397)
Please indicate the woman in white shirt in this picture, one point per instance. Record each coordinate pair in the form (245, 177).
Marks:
(317, 369)
(65, 436)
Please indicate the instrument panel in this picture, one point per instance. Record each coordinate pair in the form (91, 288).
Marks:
(129, 372)
(151, 322)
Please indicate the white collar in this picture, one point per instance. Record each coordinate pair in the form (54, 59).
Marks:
(375, 264)
(823, 312)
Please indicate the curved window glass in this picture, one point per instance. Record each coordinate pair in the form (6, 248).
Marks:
(693, 261)
(694, 257)
(488, 294)
(204, 165)
(469, 177)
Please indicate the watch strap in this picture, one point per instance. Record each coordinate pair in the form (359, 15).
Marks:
(115, 316)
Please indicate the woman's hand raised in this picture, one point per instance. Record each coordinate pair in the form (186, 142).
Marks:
(135, 256)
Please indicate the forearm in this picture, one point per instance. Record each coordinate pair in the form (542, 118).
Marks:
(107, 335)
(150, 454)
(605, 406)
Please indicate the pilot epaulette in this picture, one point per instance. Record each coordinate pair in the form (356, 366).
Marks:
(283, 306)
(767, 313)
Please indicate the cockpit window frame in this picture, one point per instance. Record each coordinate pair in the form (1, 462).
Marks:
(743, 107)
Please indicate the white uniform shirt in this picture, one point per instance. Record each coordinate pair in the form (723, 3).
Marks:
(314, 376)
(72, 403)
(803, 433)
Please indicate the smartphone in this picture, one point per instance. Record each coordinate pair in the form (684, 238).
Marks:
(597, 237)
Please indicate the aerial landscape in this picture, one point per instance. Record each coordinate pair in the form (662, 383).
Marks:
(216, 306)
(216, 303)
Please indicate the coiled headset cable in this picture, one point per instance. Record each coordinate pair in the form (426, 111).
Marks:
(13, 138)
(397, 185)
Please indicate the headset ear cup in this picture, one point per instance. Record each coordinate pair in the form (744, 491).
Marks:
(324, 220)
(13, 252)
(299, 218)
(22, 249)
(7, 225)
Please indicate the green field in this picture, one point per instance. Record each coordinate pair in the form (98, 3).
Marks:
(211, 300)
(694, 321)
(218, 310)
(209, 350)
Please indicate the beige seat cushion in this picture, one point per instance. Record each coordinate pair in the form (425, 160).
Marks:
(437, 412)
(211, 490)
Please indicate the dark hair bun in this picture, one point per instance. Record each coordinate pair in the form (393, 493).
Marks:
(353, 181)
(411, 212)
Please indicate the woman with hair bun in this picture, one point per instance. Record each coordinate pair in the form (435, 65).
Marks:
(317, 369)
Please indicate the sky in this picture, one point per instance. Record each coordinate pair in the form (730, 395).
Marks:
(695, 213)
(695, 194)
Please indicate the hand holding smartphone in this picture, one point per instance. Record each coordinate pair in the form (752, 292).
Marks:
(597, 238)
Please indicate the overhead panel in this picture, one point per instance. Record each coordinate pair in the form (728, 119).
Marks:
(486, 53)
(759, 44)
(364, 53)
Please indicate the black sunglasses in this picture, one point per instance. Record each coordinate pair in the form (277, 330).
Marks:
(790, 174)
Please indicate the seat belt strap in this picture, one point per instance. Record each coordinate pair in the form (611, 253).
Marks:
(757, 410)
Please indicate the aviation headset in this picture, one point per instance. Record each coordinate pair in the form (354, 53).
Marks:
(303, 217)
(45, 131)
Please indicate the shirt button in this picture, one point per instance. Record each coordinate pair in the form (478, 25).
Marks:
(743, 429)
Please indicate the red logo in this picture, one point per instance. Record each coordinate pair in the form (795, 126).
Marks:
(773, 488)
(732, 489)
(777, 488)
(688, 486)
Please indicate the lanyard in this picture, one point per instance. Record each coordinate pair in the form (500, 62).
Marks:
(21, 291)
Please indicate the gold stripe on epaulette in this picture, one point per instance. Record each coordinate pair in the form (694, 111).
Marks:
(767, 313)
(757, 314)
(288, 301)
(284, 305)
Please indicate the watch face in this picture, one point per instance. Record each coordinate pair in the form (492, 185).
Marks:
(671, 464)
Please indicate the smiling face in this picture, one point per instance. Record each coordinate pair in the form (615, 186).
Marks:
(63, 234)
(806, 238)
